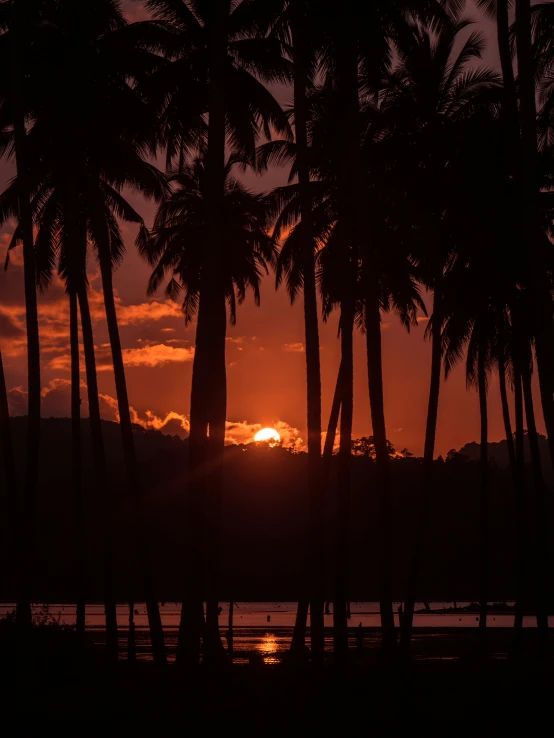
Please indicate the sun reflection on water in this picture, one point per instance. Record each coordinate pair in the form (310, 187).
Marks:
(268, 649)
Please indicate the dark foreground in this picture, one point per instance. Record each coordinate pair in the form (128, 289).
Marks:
(444, 697)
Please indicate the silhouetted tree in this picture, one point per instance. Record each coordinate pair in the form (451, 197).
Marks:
(220, 42)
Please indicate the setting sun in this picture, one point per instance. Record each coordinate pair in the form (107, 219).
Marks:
(268, 434)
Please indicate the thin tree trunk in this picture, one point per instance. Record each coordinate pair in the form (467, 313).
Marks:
(26, 541)
(333, 423)
(484, 505)
(131, 462)
(522, 541)
(375, 379)
(509, 105)
(506, 412)
(534, 235)
(10, 476)
(313, 370)
(230, 631)
(340, 622)
(76, 463)
(214, 651)
(192, 609)
(102, 478)
(427, 472)
(542, 588)
(131, 637)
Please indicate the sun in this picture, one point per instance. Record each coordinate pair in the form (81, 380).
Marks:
(268, 434)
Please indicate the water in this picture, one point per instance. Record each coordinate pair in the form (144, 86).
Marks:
(264, 629)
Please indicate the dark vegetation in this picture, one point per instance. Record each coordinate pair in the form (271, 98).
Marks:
(262, 532)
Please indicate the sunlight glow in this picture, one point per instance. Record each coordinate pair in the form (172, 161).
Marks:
(268, 434)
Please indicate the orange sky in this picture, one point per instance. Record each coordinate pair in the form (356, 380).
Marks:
(266, 366)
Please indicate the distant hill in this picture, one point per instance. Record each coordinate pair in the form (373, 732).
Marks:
(264, 517)
(498, 453)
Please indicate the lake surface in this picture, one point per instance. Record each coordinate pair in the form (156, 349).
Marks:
(265, 628)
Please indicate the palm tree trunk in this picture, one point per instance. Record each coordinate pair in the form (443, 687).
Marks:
(509, 105)
(427, 472)
(340, 622)
(542, 302)
(501, 365)
(129, 453)
(375, 379)
(216, 394)
(542, 575)
(484, 505)
(28, 513)
(522, 541)
(192, 609)
(230, 631)
(131, 637)
(10, 475)
(76, 462)
(313, 370)
(298, 639)
(214, 651)
(102, 478)
(332, 425)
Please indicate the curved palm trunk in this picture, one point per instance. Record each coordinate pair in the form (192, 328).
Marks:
(101, 475)
(76, 464)
(506, 412)
(26, 552)
(484, 505)
(311, 326)
(522, 541)
(542, 302)
(131, 462)
(542, 588)
(427, 473)
(340, 606)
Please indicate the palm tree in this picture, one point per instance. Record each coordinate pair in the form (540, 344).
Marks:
(21, 37)
(433, 92)
(78, 141)
(221, 102)
(530, 214)
(295, 23)
(181, 223)
(357, 53)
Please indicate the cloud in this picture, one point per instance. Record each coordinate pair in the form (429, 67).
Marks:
(147, 312)
(244, 432)
(56, 402)
(294, 348)
(17, 401)
(423, 319)
(151, 355)
(157, 355)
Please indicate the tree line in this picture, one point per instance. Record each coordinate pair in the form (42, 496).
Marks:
(412, 166)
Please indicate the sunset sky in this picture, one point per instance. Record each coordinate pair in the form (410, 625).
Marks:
(265, 359)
